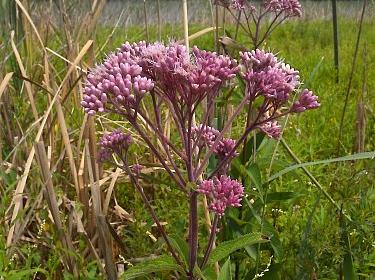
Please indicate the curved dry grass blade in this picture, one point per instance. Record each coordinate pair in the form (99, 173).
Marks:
(68, 146)
(110, 190)
(5, 82)
(66, 60)
(53, 204)
(31, 23)
(17, 198)
(198, 34)
(23, 72)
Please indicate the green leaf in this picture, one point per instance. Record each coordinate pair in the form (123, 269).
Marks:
(21, 274)
(181, 246)
(225, 272)
(198, 272)
(358, 156)
(252, 172)
(249, 147)
(347, 265)
(226, 248)
(279, 196)
(313, 73)
(162, 263)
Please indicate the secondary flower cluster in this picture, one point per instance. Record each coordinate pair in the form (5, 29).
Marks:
(207, 136)
(114, 142)
(223, 191)
(273, 80)
(291, 8)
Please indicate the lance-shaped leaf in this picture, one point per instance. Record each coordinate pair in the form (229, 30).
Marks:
(224, 249)
(162, 263)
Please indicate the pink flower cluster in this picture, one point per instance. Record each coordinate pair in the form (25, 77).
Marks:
(114, 142)
(268, 77)
(291, 8)
(118, 81)
(206, 136)
(272, 129)
(125, 76)
(223, 192)
(307, 100)
(275, 81)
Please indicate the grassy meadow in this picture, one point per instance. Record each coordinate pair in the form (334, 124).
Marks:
(49, 178)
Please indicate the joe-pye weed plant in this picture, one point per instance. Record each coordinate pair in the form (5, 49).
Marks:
(138, 81)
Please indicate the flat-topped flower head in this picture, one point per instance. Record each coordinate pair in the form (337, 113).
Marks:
(235, 4)
(115, 142)
(122, 80)
(223, 192)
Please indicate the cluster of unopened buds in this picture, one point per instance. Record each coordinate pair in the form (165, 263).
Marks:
(169, 75)
(115, 142)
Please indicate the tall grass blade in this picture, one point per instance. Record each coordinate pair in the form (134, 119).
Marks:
(341, 129)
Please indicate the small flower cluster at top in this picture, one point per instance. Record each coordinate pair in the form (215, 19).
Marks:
(223, 191)
(291, 8)
(121, 81)
(273, 80)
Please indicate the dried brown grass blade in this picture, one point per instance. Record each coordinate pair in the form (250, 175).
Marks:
(53, 205)
(95, 187)
(105, 238)
(110, 190)
(23, 72)
(68, 146)
(197, 34)
(5, 82)
(23, 9)
(17, 198)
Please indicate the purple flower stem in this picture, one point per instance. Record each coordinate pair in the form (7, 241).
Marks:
(160, 158)
(219, 137)
(210, 241)
(270, 30)
(126, 168)
(243, 137)
(164, 143)
(204, 122)
(193, 233)
(270, 25)
(247, 30)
